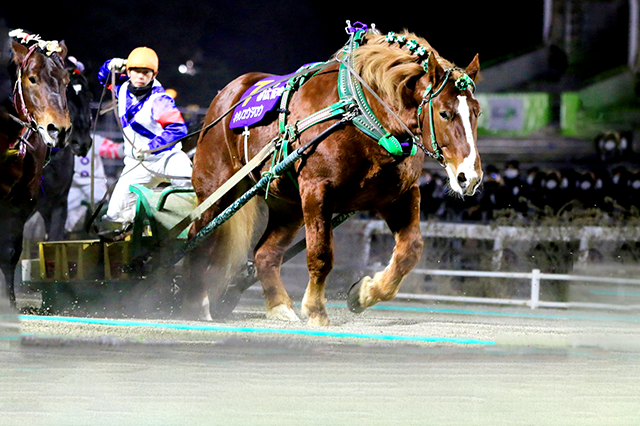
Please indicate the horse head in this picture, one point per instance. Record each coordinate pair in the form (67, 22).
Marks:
(450, 113)
(408, 73)
(79, 99)
(40, 86)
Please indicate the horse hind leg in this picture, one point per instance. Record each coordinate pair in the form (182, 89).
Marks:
(282, 227)
(403, 218)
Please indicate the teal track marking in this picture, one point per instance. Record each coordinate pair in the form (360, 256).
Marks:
(492, 313)
(259, 330)
(615, 293)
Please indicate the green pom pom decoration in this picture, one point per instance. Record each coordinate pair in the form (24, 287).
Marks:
(464, 82)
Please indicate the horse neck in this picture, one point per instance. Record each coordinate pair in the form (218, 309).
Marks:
(9, 129)
(406, 112)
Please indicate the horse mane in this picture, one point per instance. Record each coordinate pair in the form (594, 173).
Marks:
(389, 68)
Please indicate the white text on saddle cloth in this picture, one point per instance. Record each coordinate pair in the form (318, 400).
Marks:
(258, 101)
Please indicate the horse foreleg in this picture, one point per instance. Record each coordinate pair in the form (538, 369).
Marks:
(13, 216)
(319, 237)
(282, 227)
(403, 218)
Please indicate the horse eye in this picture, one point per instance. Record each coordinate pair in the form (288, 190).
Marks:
(446, 115)
(33, 80)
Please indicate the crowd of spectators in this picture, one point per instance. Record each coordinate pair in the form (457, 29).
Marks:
(509, 192)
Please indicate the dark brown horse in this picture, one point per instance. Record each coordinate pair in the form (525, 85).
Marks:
(415, 94)
(35, 119)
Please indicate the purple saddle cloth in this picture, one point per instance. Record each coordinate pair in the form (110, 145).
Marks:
(259, 101)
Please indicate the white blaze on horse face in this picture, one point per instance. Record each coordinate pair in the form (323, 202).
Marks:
(467, 167)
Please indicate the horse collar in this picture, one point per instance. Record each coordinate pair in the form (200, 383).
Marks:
(350, 90)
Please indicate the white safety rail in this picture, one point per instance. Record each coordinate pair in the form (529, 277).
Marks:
(534, 301)
(361, 235)
(588, 237)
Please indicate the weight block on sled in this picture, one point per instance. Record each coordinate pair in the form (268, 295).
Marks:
(116, 255)
(66, 260)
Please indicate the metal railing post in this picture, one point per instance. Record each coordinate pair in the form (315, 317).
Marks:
(535, 288)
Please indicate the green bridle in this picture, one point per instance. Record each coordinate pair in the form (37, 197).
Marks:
(462, 83)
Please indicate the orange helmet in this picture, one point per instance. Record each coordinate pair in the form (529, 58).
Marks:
(143, 57)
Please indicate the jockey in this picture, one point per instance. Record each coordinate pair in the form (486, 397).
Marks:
(151, 123)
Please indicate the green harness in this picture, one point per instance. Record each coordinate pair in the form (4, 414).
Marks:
(353, 105)
(366, 121)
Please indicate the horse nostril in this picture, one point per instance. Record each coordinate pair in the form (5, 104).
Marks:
(462, 179)
(53, 131)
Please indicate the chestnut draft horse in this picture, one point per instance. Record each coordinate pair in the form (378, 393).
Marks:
(36, 119)
(412, 93)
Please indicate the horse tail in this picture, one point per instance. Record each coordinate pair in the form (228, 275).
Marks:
(235, 238)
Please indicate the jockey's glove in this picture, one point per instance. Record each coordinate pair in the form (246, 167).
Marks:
(138, 154)
(118, 65)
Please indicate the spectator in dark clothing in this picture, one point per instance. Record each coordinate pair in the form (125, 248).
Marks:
(494, 195)
(619, 193)
(586, 189)
(514, 186)
(427, 185)
(602, 190)
(534, 189)
(634, 190)
(553, 196)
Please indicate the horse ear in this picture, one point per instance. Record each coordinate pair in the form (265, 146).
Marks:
(436, 72)
(474, 68)
(64, 52)
(19, 52)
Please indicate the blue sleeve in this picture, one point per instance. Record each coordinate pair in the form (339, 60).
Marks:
(168, 115)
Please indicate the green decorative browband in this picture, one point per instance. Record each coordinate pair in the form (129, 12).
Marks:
(462, 83)
(420, 51)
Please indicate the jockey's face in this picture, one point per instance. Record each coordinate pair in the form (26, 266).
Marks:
(140, 77)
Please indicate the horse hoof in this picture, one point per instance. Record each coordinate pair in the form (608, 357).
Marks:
(282, 313)
(319, 321)
(353, 298)
(222, 308)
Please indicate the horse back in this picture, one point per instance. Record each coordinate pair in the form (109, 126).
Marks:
(362, 173)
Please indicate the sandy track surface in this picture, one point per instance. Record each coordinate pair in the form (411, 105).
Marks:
(405, 364)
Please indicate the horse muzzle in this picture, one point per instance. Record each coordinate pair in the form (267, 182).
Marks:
(54, 136)
(464, 183)
(469, 184)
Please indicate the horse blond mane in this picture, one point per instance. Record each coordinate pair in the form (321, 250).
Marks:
(388, 68)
